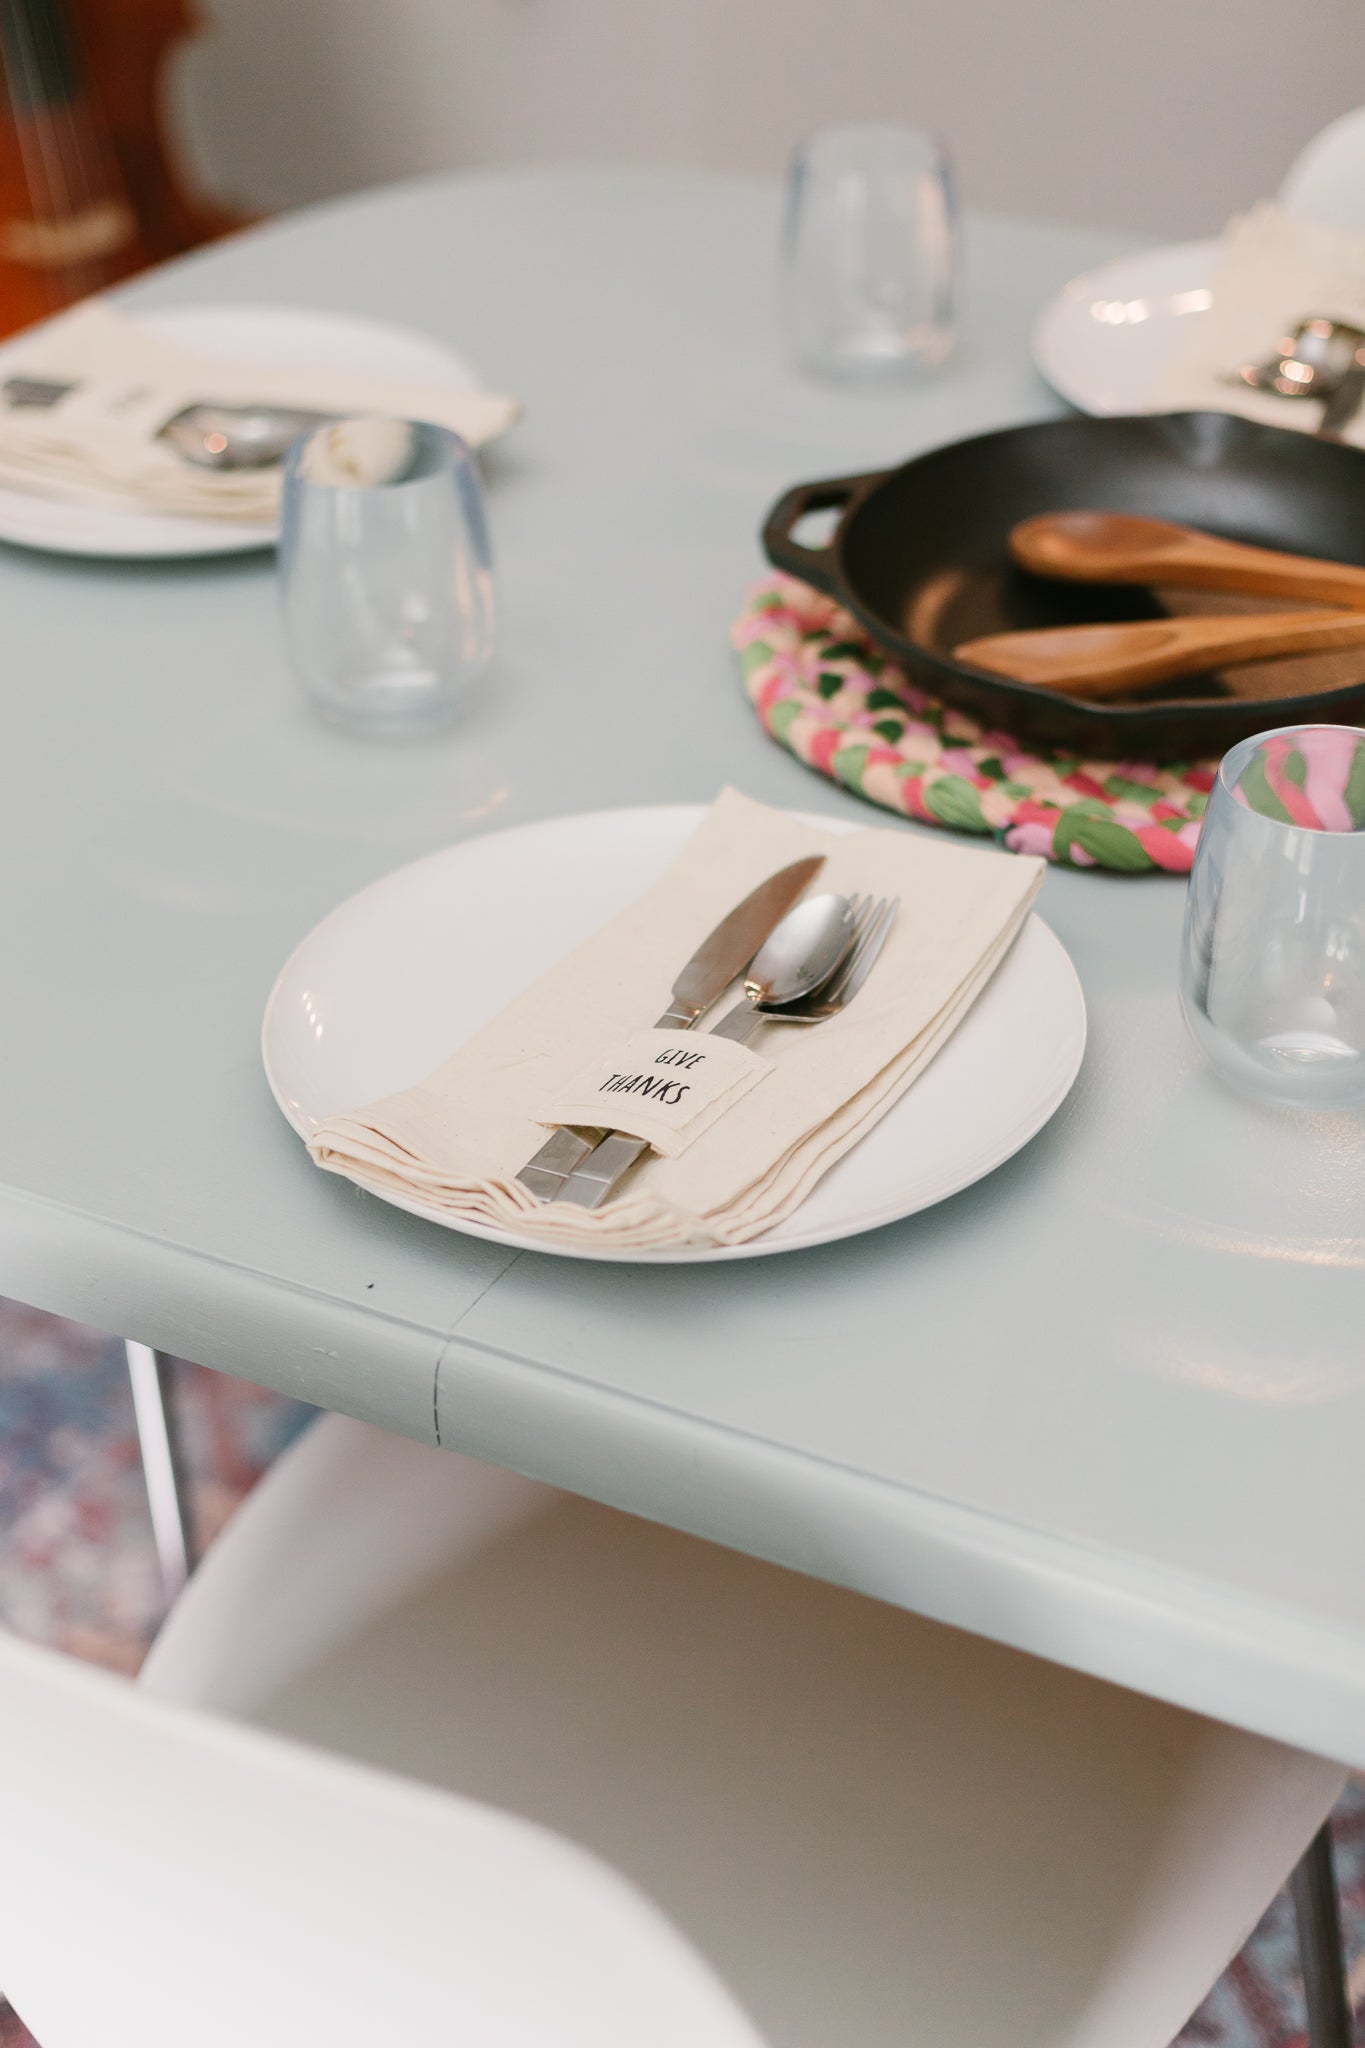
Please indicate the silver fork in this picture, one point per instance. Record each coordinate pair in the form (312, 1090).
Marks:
(599, 1177)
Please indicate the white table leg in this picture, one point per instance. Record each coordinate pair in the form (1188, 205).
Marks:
(150, 1371)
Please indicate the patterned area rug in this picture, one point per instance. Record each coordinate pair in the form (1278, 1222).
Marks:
(77, 1570)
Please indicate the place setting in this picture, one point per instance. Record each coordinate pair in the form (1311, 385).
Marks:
(161, 433)
(837, 989)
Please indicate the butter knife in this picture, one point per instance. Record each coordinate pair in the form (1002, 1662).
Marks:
(718, 960)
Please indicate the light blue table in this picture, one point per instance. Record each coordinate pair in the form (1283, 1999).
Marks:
(1108, 1406)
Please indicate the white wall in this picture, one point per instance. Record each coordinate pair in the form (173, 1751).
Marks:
(1158, 115)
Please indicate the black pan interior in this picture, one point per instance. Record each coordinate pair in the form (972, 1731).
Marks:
(924, 557)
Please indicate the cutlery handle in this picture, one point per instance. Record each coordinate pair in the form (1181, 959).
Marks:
(589, 1185)
(1127, 547)
(566, 1149)
(597, 1176)
(740, 1023)
(1101, 661)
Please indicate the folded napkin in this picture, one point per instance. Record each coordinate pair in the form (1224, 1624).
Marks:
(457, 1139)
(1272, 272)
(82, 401)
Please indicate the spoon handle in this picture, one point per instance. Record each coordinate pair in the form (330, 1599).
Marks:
(740, 1023)
(1098, 547)
(1260, 572)
(1101, 661)
(589, 1184)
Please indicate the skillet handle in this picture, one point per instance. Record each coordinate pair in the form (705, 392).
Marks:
(812, 565)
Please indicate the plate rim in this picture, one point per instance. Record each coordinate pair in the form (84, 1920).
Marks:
(759, 1247)
(1201, 251)
(200, 539)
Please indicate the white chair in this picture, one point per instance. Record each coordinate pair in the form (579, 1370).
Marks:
(878, 1830)
(1326, 181)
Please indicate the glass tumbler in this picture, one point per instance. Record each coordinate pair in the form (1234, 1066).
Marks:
(870, 250)
(385, 574)
(1272, 979)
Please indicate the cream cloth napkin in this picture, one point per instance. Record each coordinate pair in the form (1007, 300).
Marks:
(1272, 273)
(97, 440)
(457, 1139)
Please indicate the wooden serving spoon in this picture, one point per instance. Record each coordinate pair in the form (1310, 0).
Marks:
(1105, 661)
(1122, 547)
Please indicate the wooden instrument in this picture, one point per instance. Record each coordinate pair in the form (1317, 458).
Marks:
(1122, 547)
(88, 191)
(1107, 661)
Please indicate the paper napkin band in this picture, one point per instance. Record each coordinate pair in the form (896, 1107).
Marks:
(666, 1087)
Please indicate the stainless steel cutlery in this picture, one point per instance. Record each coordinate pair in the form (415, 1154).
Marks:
(721, 957)
(842, 939)
(208, 435)
(874, 929)
(238, 436)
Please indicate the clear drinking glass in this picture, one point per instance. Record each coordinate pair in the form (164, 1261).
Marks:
(385, 573)
(1272, 978)
(870, 250)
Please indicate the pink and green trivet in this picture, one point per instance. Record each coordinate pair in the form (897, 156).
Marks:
(822, 689)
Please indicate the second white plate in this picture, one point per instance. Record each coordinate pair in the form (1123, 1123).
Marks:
(288, 337)
(366, 1006)
(1107, 336)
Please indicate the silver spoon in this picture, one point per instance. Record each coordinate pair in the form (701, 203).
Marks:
(801, 953)
(872, 928)
(238, 436)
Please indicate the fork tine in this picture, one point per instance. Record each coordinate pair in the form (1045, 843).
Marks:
(862, 955)
(862, 909)
(831, 991)
(869, 949)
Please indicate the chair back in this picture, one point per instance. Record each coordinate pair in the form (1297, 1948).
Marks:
(174, 1880)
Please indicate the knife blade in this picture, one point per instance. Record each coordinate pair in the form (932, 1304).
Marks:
(722, 955)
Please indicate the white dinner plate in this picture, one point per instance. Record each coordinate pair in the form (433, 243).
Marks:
(367, 1005)
(1106, 337)
(282, 337)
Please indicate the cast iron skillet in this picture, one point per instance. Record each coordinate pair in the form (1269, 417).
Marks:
(920, 558)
